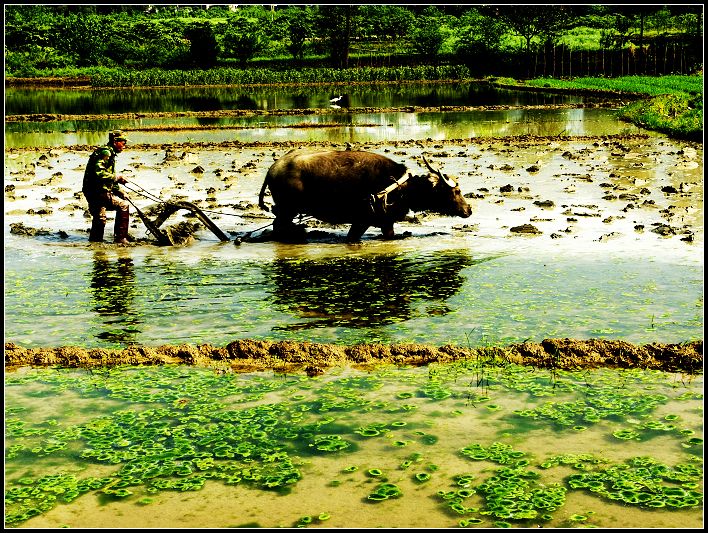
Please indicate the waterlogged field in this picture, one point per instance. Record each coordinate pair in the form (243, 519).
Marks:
(459, 445)
(615, 252)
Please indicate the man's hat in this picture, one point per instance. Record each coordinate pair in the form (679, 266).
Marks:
(117, 135)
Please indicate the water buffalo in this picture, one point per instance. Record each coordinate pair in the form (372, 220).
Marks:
(354, 187)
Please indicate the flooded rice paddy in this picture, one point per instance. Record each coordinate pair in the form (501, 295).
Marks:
(566, 239)
(594, 237)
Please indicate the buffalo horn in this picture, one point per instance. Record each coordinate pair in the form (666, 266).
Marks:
(450, 182)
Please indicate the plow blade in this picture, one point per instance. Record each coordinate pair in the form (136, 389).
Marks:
(168, 209)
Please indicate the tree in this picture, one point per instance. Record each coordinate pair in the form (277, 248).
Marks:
(479, 35)
(299, 30)
(85, 37)
(243, 39)
(637, 15)
(28, 24)
(387, 22)
(542, 22)
(337, 26)
(427, 38)
(203, 48)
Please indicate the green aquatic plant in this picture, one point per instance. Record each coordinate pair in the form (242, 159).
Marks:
(513, 492)
(368, 432)
(330, 443)
(497, 452)
(184, 437)
(466, 522)
(464, 480)
(642, 481)
(693, 441)
(626, 434)
(385, 491)
(435, 391)
(304, 520)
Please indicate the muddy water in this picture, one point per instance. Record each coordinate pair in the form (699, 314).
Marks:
(334, 127)
(407, 427)
(303, 114)
(20, 101)
(615, 254)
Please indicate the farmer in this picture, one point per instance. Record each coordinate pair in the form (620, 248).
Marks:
(101, 189)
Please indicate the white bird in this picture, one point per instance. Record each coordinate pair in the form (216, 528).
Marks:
(335, 99)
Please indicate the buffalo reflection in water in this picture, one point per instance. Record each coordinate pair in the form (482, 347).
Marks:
(360, 292)
(113, 290)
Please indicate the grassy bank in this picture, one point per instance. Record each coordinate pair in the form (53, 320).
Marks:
(671, 104)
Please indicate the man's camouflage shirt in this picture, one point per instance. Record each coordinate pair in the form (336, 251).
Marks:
(100, 174)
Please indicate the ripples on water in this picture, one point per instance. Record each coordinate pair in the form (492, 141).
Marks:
(441, 297)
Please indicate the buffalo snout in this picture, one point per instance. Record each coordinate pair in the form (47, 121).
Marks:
(460, 207)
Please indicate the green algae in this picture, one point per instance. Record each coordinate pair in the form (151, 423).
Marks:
(190, 431)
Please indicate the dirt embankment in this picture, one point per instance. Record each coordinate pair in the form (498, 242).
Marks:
(313, 358)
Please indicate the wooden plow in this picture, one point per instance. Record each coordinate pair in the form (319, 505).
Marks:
(167, 209)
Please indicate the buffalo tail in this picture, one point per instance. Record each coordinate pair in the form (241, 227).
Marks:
(261, 195)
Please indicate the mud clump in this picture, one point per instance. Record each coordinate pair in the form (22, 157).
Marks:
(248, 355)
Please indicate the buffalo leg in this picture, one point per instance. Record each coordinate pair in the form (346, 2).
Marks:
(283, 226)
(387, 231)
(356, 231)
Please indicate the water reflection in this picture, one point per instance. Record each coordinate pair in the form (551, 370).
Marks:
(176, 99)
(113, 292)
(361, 127)
(358, 292)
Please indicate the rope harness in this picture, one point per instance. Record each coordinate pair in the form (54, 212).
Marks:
(379, 201)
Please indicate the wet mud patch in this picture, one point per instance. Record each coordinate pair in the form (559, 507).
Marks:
(247, 355)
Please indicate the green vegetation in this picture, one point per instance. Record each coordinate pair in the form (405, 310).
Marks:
(153, 430)
(263, 76)
(675, 106)
(645, 85)
(647, 50)
(671, 114)
(43, 40)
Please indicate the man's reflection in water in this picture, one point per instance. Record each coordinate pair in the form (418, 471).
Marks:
(113, 289)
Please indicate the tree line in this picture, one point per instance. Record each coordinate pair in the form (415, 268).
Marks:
(521, 41)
